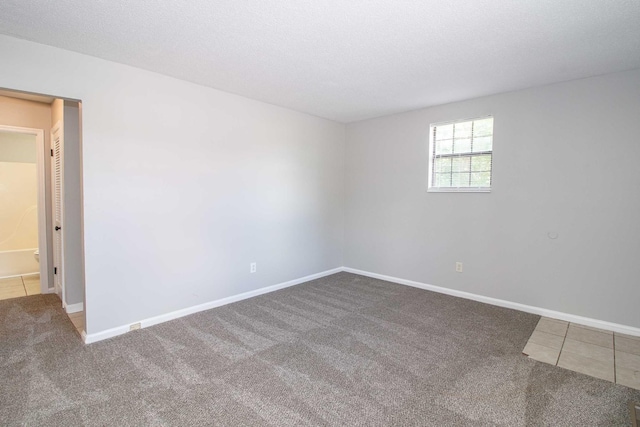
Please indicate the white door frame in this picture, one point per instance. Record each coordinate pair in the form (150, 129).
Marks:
(42, 208)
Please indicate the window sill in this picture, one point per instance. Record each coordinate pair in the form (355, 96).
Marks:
(458, 190)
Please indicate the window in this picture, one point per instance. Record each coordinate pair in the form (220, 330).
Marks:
(460, 155)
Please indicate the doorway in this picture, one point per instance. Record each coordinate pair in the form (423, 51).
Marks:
(23, 231)
(52, 127)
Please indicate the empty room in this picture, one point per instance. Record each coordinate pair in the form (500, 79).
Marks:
(332, 213)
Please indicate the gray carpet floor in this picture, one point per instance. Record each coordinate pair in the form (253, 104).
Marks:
(342, 350)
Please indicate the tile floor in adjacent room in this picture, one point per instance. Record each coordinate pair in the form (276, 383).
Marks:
(602, 354)
(19, 286)
(78, 321)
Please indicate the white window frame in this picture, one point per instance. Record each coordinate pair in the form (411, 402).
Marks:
(430, 173)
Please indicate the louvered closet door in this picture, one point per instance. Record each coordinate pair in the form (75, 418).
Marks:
(56, 172)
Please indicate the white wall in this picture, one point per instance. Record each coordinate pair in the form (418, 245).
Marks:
(18, 192)
(17, 147)
(72, 221)
(18, 206)
(565, 161)
(184, 186)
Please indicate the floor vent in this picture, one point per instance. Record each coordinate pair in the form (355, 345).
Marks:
(635, 413)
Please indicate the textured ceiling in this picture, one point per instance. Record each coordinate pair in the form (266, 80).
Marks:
(350, 59)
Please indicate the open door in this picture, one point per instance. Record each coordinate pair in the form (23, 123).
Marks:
(57, 159)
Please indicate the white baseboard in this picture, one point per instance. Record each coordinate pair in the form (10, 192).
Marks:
(37, 273)
(19, 275)
(74, 308)
(144, 323)
(594, 323)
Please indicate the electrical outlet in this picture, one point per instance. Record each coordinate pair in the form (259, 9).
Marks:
(458, 267)
(135, 326)
(253, 267)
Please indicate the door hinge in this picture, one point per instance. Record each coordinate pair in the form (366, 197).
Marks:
(52, 152)
(55, 270)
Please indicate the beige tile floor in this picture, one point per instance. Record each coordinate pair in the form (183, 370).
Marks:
(602, 354)
(20, 286)
(78, 321)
